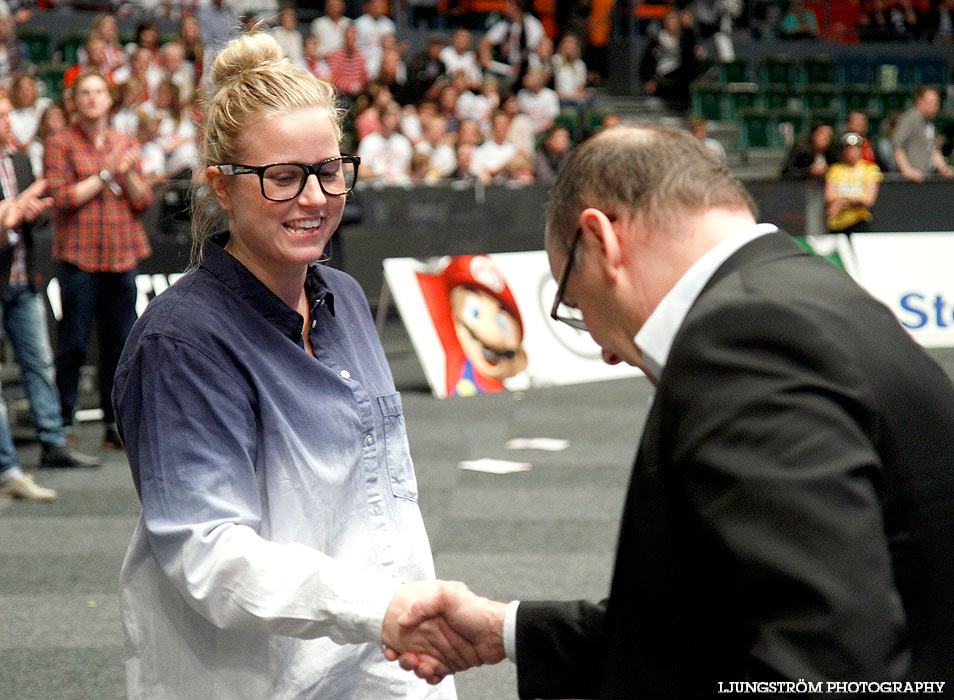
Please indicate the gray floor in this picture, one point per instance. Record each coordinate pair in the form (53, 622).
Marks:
(548, 532)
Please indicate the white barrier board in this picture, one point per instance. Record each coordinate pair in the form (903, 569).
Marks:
(554, 353)
(913, 274)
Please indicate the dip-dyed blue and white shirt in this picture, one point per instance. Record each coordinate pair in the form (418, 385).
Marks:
(279, 500)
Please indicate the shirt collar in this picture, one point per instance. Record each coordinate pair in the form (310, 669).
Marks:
(654, 339)
(217, 261)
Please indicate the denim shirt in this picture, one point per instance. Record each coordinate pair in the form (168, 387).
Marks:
(279, 499)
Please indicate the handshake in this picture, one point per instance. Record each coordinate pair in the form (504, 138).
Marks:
(436, 628)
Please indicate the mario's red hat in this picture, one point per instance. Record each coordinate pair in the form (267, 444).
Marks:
(479, 272)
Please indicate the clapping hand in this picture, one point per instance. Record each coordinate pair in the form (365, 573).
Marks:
(25, 207)
(464, 630)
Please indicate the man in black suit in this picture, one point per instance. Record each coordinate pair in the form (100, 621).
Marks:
(791, 508)
(23, 310)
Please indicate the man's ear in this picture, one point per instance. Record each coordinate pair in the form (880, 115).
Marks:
(218, 187)
(599, 231)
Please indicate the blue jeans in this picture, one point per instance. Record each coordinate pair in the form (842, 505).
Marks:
(109, 300)
(24, 320)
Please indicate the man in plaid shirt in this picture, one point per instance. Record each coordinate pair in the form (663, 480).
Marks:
(98, 194)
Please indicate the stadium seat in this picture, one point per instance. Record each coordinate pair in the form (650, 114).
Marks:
(37, 41)
(69, 45)
(754, 125)
(797, 120)
(855, 69)
(822, 97)
(708, 100)
(50, 75)
(778, 70)
(857, 97)
(819, 70)
(736, 71)
(780, 97)
(932, 71)
(742, 96)
(893, 100)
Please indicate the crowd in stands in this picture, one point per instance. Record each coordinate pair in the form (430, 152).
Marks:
(499, 101)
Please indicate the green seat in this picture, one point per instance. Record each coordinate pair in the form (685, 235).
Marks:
(51, 77)
(856, 96)
(778, 70)
(707, 100)
(69, 46)
(37, 41)
(754, 125)
(569, 119)
(733, 71)
(893, 100)
(823, 97)
(778, 97)
(742, 96)
(820, 70)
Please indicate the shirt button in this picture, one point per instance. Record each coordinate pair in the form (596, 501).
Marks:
(376, 510)
(369, 439)
(345, 374)
(313, 324)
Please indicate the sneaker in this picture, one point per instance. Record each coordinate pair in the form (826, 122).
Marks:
(64, 457)
(111, 439)
(26, 488)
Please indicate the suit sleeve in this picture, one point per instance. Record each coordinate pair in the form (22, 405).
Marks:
(776, 473)
(559, 649)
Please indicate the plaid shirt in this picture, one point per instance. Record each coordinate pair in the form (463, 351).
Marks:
(104, 234)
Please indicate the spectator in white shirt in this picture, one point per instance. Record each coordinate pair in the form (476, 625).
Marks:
(569, 72)
(490, 158)
(539, 103)
(459, 57)
(177, 69)
(386, 155)
(371, 26)
(437, 145)
(27, 108)
(288, 36)
(513, 38)
(329, 28)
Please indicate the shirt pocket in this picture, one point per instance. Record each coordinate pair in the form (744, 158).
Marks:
(397, 453)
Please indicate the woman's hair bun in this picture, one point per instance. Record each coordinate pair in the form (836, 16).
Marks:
(248, 52)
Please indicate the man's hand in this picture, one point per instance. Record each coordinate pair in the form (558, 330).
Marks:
(437, 649)
(476, 619)
(31, 202)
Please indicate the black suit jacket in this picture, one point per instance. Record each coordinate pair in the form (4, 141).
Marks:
(24, 175)
(791, 508)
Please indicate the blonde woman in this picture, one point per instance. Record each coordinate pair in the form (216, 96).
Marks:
(280, 536)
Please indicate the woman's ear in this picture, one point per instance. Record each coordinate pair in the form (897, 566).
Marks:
(218, 187)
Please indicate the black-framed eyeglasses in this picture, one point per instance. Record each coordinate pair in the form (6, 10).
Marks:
(283, 181)
(569, 315)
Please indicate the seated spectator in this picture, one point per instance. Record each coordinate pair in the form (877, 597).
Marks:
(569, 73)
(851, 188)
(490, 158)
(172, 62)
(509, 42)
(386, 155)
(906, 19)
(470, 132)
(312, 60)
(519, 170)
(436, 143)
(329, 28)
(13, 52)
(131, 97)
(876, 24)
(537, 101)
(699, 127)
(938, 24)
(371, 26)
(541, 59)
(810, 158)
(420, 171)
(670, 61)
(459, 57)
(391, 71)
(915, 146)
(480, 106)
(552, 154)
(463, 169)
(52, 119)
(798, 22)
(857, 122)
(288, 36)
(413, 118)
(176, 132)
(520, 132)
(27, 108)
(447, 106)
(147, 37)
(884, 148)
(349, 74)
(151, 154)
(191, 40)
(106, 28)
(144, 68)
(369, 108)
(425, 69)
(94, 56)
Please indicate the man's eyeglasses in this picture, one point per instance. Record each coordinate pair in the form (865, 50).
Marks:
(561, 312)
(283, 181)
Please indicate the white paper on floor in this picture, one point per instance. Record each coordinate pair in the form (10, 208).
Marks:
(494, 466)
(540, 443)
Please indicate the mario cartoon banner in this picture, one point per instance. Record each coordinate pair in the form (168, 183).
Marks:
(481, 323)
